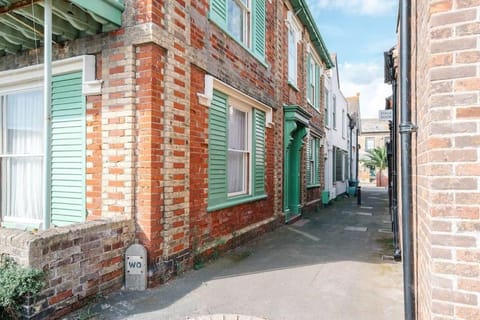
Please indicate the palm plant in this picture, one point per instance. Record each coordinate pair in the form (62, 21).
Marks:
(376, 158)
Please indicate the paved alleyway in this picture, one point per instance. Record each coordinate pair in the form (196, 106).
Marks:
(325, 266)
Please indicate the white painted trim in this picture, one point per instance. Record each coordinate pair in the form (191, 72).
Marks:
(32, 77)
(213, 83)
(297, 26)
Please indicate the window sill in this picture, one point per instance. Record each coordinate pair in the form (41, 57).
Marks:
(21, 224)
(311, 186)
(293, 86)
(313, 106)
(235, 202)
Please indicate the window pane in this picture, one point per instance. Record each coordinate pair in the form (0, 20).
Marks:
(236, 23)
(238, 151)
(22, 187)
(237, 129)
(24, 114)
(292, 56)
(236, 172)
(21, 176)
(369, 143)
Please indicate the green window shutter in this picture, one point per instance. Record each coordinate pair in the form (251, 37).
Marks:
(317, 161)
(218, 12)
(317, 87)
(258, 44)
(309, 154)
(217, 149)
(67, 150)
(309, 87)
(259, 152)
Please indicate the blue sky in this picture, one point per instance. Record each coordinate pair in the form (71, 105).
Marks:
(359, 31)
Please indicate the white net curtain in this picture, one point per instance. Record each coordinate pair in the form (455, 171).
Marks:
(21, 152)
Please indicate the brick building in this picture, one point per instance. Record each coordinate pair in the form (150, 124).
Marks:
(172, 124)
(444, 63)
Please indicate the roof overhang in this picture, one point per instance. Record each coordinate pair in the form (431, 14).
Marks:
(302, 11)
(22, 21)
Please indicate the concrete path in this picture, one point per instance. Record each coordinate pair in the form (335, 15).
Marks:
(328, 265)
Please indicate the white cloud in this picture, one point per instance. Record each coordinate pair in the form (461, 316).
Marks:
(362, 7)
(368, 80)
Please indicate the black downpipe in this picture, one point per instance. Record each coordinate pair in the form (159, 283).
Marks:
(351, 146)
(406, 129)
(356, 157)
(397, 254)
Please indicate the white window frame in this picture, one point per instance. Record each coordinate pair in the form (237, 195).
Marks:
(31, 78)
(247, 19)
(311, 81)
(5, 155)
(343, 123)
(334, 112)
(314, 86)
(314, 160)
(327, 108)
(293, 35)
(247, 179)
(367, 139)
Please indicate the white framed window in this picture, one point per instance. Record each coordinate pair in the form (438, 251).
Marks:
(239, 150)
(312, 81)
(23, 182)
(313, 78)
(313, 149)
(334, 112)
(369, 143)
(21, 156)
(339, 165)
(239, 20)
(327, 107)
(236, 145)
(293, 35)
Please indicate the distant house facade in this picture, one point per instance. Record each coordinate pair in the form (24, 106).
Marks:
(374, 133)
(337, 154)
(183, 130)
(354, 116)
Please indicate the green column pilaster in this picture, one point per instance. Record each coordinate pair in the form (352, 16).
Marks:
(296, 121)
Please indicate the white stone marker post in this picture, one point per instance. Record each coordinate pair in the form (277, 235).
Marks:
(136, 267)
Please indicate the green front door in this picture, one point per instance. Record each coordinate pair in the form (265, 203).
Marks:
(295, 130)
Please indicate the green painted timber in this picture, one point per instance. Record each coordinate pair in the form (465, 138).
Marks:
(295, 129)
(67, 150)
(110, 10)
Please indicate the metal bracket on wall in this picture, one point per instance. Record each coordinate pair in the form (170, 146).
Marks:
(407, 127)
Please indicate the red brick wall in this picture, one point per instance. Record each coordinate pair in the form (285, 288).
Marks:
(446, 161)
(206, 227)
(150, 86)
(227, 60)
(94, 151)
(149, 11)
(80, 262)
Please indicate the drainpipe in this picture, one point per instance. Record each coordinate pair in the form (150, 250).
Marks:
(397, 254)
(47, 94)
(356, 158)
(350, 126)
(406, 129)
